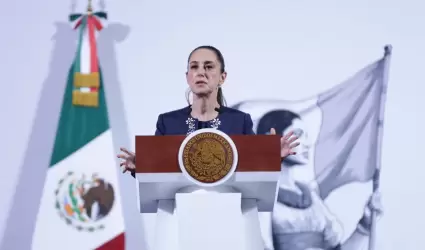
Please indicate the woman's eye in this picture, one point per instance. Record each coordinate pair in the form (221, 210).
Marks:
(194, 66)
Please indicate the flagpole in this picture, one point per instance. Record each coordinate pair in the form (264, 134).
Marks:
(376, 177)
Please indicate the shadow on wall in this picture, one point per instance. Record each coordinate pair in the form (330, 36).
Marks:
(24, 208)
(108, 38)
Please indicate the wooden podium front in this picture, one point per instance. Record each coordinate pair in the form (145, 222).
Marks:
(190, 216)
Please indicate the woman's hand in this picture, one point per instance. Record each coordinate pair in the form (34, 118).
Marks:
(287, 143)
(129, 160)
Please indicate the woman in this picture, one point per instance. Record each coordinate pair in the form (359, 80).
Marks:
(301, 220)
(205, 76)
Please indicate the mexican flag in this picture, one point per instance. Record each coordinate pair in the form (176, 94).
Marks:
(80, 206)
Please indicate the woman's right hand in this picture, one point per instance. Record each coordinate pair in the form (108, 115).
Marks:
(129, 160)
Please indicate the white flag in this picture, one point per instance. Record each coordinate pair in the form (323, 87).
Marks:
(339, 129)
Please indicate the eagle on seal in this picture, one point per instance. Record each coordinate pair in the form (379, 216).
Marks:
(98, 199)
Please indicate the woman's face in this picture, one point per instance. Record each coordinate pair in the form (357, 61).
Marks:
(302, 151)
(204, 72)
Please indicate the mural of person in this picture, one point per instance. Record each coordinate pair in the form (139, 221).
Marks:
(301, 220)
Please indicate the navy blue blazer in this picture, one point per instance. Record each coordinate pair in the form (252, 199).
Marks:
(180, 122)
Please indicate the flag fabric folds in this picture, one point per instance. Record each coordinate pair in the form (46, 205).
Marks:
(347, 146)
(340, 129)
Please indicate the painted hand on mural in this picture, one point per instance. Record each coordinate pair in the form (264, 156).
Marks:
(374, 206)
(129, 160)
(287, 143)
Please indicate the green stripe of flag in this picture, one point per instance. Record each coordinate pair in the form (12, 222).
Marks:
(78, 125)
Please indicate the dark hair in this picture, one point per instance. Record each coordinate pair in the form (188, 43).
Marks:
(220, 97)
(277, 119)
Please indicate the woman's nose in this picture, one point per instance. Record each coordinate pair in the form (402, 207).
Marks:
(201, 75)
(201, 70)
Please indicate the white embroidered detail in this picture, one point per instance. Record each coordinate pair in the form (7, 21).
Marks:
(191, 125)
(215, 123)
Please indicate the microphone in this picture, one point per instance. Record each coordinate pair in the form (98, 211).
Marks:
(201, 125)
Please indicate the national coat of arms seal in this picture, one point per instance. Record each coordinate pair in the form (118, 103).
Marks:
(84, 201)
(208, 157)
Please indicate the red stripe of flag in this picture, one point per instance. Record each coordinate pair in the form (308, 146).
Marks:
(92, 40)
(117, 243)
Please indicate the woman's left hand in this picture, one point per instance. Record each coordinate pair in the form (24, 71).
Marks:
(287, 143)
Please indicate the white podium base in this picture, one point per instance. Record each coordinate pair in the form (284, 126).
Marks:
(208, 221)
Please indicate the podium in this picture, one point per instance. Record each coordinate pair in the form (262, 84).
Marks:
(207, 188)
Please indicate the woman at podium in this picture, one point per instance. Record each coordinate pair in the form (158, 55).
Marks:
(205, 76)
